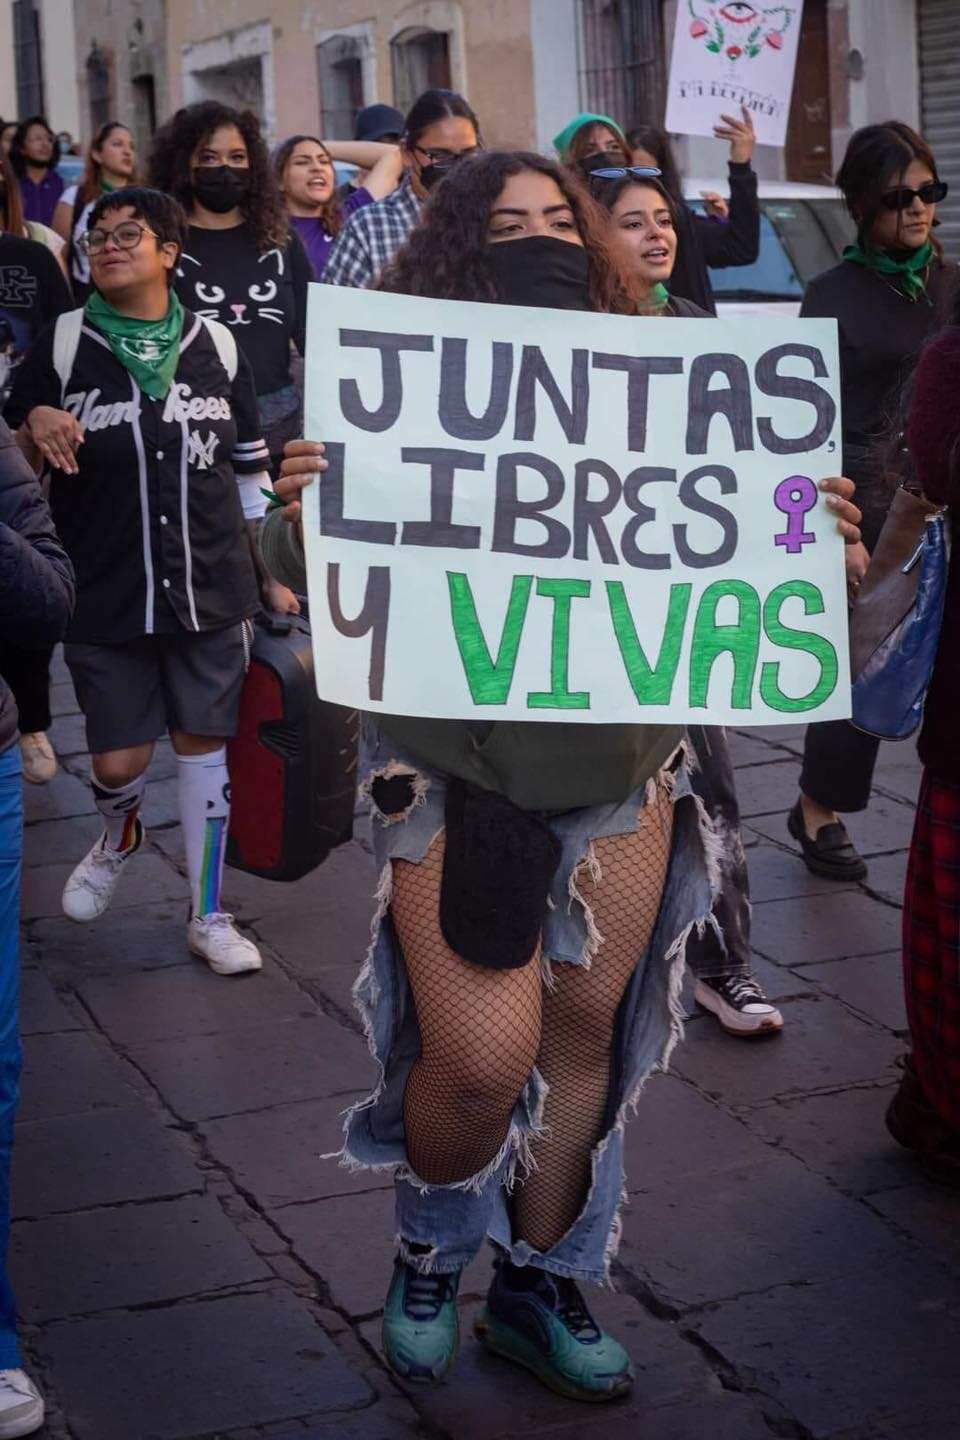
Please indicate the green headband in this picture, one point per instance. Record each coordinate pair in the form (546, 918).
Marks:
(564, 140)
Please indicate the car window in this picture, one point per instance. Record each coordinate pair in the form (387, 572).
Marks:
(772, 275)
(798, 239)
(804, 235)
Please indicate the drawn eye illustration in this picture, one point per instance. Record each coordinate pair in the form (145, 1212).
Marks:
(738, 12)
(263, 293)
(209, 294)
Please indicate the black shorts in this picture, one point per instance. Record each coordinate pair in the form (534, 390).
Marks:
(133, 693)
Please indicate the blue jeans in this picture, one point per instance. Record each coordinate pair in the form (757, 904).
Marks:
(447, 1224)
(11, 856)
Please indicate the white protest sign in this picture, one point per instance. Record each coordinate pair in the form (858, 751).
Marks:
(725, 56)
(541, 515)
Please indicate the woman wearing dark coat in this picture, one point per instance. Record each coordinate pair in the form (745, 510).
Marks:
(36, 597)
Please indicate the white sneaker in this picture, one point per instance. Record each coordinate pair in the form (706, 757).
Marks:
(739, 1004)
(217, 940)
(39, 760)
(21, 1405)
(90, 888)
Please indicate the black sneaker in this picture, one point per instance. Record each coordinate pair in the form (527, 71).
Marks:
(739, 1004)
(831, 855)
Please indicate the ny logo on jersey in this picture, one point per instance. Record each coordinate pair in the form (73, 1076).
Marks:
(18, 288)
(201, 452)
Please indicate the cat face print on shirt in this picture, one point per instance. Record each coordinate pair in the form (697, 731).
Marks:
(214, 297)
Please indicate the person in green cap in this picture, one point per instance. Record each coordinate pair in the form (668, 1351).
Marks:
(146, 415)
(588, 136)
(889, 293)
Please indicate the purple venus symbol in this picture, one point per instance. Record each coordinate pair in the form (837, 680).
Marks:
(795, 496)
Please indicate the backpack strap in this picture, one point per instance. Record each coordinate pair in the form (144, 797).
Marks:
(66, 338)
(226, 346)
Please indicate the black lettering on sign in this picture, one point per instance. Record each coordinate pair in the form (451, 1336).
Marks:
(792, 387)
(693, 500)
(572, 413)
(589, 515)
(440, 529)
(391, 403)
(509, 508)
(638, 369)
(373, 619)
(455, 415)
(332, 519)
(732, 401)
(634, 483)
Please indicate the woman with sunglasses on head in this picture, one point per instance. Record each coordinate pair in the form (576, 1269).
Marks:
(643, 234)
(307, 180)
(539, 883)
(242, 264)
(147, 417)
(111, 164)
(34, 155)
(891, 290)
(439, 131)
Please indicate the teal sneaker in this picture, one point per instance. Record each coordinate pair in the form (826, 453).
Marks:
(421, 1332)
(542, 1322)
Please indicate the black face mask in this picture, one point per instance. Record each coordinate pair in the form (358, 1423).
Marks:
(599, 160)
(220, 188)
(541, 270)
(432, 174)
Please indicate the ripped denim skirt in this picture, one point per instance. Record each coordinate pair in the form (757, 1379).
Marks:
(442, 1227)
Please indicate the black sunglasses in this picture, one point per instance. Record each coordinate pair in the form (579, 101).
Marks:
(902, 198)
(620, 172)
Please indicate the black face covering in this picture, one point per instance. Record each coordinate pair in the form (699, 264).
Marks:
(220, 187)
(599, 160)
(433, 173)
(541, 270)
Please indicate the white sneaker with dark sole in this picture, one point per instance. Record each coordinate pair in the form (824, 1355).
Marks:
(216, 939)
(90, 888)
(21, 1405)
(739, 1004)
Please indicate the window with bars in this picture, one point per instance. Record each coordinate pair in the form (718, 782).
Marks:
(621, 60)
(340, 78)
(421, 61)
(28, 59)
(98, 87)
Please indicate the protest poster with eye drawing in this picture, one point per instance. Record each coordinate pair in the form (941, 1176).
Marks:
(729, 55)
(546, 515)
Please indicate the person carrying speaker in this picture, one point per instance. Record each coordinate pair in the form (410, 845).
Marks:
(147, 416)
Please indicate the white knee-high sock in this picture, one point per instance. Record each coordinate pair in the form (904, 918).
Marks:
(119, 809)
(204, 792)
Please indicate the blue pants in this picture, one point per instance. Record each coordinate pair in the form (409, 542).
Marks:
(11, 855)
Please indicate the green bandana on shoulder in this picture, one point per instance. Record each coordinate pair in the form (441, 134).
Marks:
(149, 349)
(909, 271)
(656, 301)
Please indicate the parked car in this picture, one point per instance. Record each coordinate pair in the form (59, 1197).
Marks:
(70, 168)
(803, 230)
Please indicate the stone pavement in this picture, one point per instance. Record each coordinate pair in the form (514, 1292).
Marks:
(187, 1266)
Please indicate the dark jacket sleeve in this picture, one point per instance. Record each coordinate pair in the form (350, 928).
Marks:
(36, 577)
(250, 454)
(933, 423)
(302, 274)
(737, 241)
(35, 382)
(55, 296)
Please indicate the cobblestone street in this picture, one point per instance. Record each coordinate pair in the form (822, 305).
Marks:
(188, 1267)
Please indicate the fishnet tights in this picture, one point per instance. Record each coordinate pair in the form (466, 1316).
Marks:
(483, 1030)
(478, 1035)
(579, 1016)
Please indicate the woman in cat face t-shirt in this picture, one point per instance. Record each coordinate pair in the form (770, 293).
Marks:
(242, 264)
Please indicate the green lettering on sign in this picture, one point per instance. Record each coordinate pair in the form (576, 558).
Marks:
(489, 680)
(652, 685)
(711, 640)
(790, 639)
(559, 696)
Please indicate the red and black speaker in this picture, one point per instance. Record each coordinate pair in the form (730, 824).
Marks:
(293, 761)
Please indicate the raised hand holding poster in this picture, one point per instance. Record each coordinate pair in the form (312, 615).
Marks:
(535, 515)
(730, 55)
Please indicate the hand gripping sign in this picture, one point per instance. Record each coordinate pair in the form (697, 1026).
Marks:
(540, 515)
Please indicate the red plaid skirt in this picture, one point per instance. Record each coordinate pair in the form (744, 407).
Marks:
(931, 945)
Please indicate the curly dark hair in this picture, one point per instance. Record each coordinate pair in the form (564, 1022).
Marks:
(331, 213)
(447, 256)
(173, 150)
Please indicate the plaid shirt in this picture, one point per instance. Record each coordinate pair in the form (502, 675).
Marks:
(371, 238)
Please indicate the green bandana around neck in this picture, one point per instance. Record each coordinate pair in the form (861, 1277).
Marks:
(149, 349)
(657, 300)
(910, 270)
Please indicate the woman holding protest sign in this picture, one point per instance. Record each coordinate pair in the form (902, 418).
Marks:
(539, 883)
(643, 234)
(891, 290)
